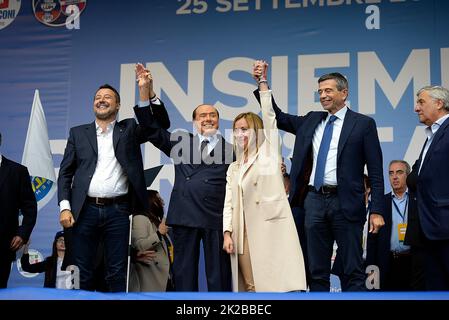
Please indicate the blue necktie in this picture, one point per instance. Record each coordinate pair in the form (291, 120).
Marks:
(322, 153)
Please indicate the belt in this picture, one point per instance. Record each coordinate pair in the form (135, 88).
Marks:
(324, 189)
(107, 201)
(398, 255)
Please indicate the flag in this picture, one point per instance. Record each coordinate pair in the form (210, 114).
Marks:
(37, 155)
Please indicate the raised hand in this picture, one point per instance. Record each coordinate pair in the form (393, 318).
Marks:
(145, 82)
(260, 69)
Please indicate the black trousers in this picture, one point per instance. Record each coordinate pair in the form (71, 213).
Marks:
(5, 270)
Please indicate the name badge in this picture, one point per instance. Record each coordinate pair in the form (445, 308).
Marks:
(402, 228)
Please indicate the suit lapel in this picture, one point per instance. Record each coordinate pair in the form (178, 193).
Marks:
(3, 170)
(91, 134)
(348, 125)
(118, 130)
(440, 133)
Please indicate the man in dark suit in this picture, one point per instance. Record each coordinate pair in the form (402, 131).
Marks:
(331, 150)
(400, 263)
(16, 196)
(101, 182)
(196, 205)
(432, 174)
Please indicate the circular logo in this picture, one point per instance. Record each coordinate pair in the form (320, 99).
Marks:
(41, 187)
(35, 257)
(9, 9)
(56, 13)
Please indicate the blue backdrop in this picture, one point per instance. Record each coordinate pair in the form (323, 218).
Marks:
(202, 51)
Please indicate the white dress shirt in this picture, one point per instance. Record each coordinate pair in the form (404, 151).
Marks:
(109, 179)
(330, 170)
(430, 133)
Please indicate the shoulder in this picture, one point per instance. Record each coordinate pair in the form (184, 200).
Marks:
(140, 218)
(359, 116)
(13, 165)
(81, 128)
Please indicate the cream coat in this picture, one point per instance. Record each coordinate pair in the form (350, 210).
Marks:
(152, 277)
(258, 197)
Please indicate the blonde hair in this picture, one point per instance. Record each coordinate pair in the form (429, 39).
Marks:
(255, 123)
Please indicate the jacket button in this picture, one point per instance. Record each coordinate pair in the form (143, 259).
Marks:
(255, 183)
(257, 202)
(188, 178)
(206, 180)
(156, 263)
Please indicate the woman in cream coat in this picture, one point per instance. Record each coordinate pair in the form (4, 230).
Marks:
(259, 231)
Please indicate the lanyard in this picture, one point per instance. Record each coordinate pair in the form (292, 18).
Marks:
(397, 208)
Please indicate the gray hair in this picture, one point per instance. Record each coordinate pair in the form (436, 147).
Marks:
(405, 163)
(342, 82)
(437, 93)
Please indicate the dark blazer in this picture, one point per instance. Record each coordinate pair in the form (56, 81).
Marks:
(358, 145)
(197, 198)
(414, 235)
(16, 195)
(432, 192)
(378, 245)
(80, 159)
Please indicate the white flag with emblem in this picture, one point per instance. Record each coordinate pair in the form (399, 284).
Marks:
(37, 155)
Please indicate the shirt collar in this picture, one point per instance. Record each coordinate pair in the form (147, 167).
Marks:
(109, 127)
(211, 139)
(430, 131)
(340, 114)
(1, 158)
(393, 195)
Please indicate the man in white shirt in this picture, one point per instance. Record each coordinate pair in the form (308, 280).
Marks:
(101, 182)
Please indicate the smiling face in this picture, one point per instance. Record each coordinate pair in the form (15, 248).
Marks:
(242, 133)
(206, 120)
(331, 98)
(106, 105)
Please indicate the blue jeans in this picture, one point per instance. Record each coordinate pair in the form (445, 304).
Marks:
(109, 224)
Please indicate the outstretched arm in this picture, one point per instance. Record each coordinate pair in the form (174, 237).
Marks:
(285, 121)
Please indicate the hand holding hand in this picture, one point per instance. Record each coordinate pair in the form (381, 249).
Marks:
(145, 82)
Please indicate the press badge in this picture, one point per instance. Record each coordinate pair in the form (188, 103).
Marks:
(402, 228)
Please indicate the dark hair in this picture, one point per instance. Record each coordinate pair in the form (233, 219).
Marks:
(194, 111)
(342, 83)
(108, 86)
(156, 208)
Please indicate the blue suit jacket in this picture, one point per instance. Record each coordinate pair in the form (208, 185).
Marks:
(197, 198)
(80, 160)
(431, 186)
(358, 145)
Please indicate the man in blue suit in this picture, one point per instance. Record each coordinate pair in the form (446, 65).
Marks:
(101, 182)
(330, 152)
(432, 174)
(196, 205)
